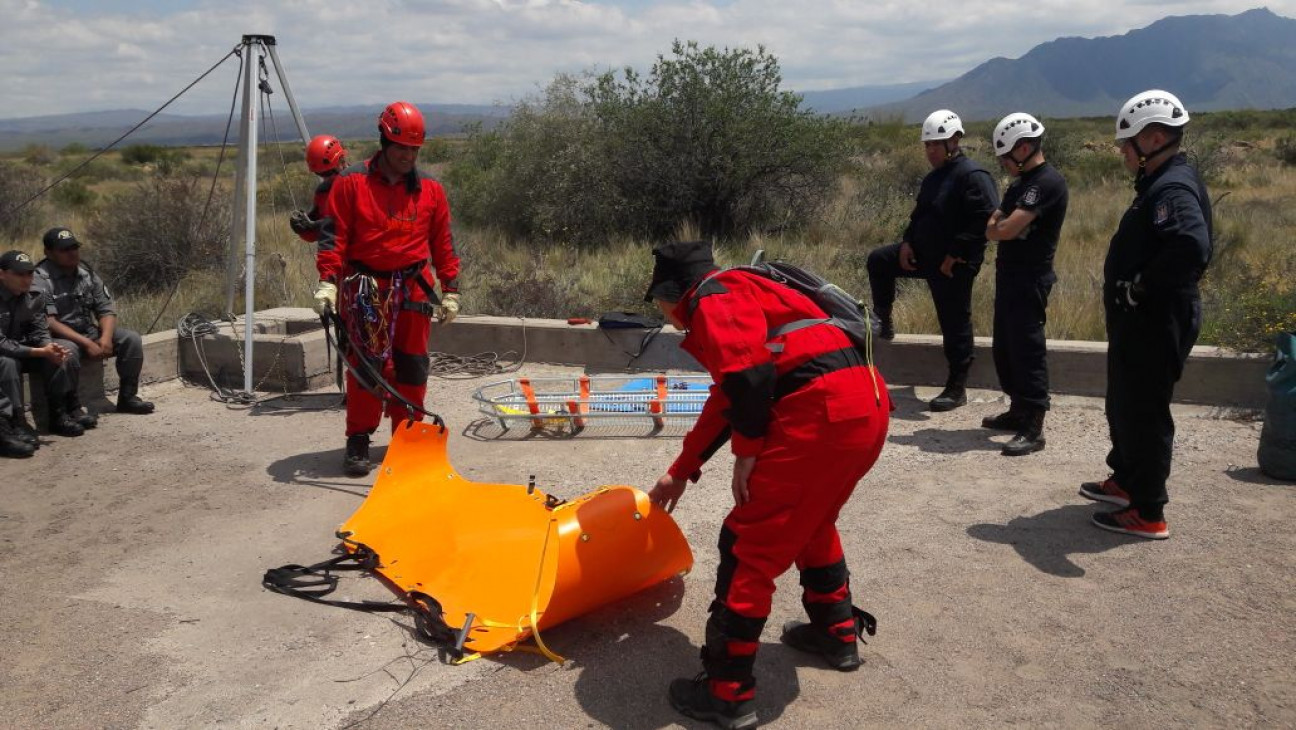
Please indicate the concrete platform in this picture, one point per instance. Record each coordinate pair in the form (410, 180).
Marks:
(291, 355)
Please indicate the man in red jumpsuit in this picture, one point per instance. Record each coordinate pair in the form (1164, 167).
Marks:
(807, 418)
(389, 222)
(326, 157)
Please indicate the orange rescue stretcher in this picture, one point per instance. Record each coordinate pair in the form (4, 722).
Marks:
(491, 565)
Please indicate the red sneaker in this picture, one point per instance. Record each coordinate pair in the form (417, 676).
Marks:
(1128, 522)
(1105, 491)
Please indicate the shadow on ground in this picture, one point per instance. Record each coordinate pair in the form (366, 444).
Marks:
(323, 470)
(1048, 539)
(629, 659)
(950, 441)
(1253, 475)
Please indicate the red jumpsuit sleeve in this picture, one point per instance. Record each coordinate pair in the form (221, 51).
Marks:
(708, 434)
(330, 251)
(731, 331)
(441, 242)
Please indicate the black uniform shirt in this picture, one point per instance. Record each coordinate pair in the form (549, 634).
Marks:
(1164, 239)
(22, 323)
(78, 299)
(1042, 191)
(949, 217)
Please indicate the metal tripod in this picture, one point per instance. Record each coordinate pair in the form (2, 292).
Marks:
(255, 50)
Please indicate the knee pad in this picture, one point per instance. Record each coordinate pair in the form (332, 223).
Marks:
(411, 369)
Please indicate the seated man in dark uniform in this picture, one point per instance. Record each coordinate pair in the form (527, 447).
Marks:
(25, 346)
(80, 310)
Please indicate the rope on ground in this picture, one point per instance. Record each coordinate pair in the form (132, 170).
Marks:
(483, 364)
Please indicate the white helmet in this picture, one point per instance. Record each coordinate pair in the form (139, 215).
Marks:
(1150, 107)
(941, 124)
(1014, 128)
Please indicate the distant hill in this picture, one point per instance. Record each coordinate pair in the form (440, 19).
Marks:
(1211, 62)
(832, 101)
(95, 129)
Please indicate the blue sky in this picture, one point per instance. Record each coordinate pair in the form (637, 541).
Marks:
(82, 55)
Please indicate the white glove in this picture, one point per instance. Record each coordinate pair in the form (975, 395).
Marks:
(326, 297)
(449, 308)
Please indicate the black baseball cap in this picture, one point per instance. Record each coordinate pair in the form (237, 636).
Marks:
(16, 261)
(677, 267)
(60, 239)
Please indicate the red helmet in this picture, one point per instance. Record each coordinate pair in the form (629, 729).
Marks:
(324, 154)
(401, 122)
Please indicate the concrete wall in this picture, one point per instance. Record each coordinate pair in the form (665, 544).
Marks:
(1211, 377)
(290, 354)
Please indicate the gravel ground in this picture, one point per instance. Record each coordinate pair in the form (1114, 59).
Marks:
(132, 558)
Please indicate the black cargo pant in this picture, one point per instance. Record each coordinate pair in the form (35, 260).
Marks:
(952, 296)
(1020, 352)
(1146, 351)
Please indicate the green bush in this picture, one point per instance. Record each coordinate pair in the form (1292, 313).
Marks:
(150, 236)
(1285, 149)
(73, 194)
(706, 137)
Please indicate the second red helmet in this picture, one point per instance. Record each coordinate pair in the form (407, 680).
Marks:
(401, 122)
(324, 154)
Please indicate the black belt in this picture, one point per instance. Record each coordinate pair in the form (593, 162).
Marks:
(414, 272)
(828, 362)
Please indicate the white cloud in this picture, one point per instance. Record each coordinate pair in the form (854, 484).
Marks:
(69, 55)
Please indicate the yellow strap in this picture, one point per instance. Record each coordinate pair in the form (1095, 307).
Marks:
(535, 598)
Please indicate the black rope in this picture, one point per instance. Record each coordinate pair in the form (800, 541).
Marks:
(211, 191)
(112, 144)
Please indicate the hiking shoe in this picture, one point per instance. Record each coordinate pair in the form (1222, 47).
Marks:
(356, 463)
(692, 697)
(1105, 491)
(1128, 522)
(1009, 420)
(840, 655)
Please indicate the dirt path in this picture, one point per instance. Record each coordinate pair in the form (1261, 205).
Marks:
(132, 559)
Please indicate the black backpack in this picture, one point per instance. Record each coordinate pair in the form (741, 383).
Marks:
(844, 311)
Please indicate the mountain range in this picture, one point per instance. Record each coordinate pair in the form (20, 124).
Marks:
(1212, 62)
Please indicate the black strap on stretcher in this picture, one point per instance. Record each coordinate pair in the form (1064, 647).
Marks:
(314, 582)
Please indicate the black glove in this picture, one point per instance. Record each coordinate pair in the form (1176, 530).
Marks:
(300, 222)
(1129, 293)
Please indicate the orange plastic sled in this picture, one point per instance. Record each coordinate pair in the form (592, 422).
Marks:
(509, 556)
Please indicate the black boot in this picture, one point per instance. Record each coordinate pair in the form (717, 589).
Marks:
(693, 697)
(1030, 437)
(1010, 420)
(356, 463)
(804, 636)
(128, 400)
(87, 418)
(11, 445)
(62, 423)
(955, 393)
(886, 327)
(23, 431)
